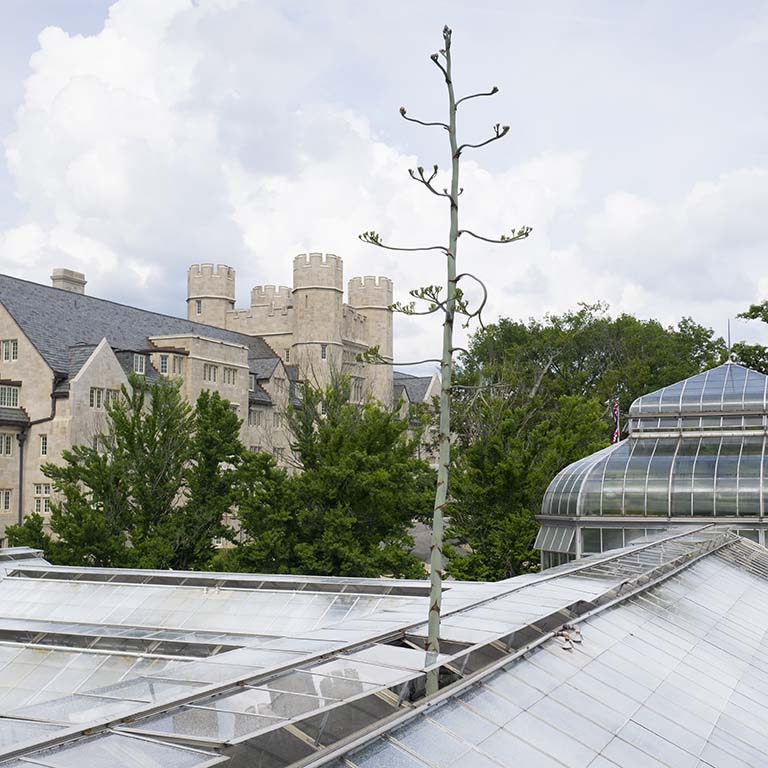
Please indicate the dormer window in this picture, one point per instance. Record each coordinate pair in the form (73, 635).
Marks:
(140, 364)
(163, 363)
(252, 382)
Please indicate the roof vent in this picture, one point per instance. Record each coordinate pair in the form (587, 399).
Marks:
(68, 280)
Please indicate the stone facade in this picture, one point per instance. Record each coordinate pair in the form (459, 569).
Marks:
(68, 353)
(309, 325)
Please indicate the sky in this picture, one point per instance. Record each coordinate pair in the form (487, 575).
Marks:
(139, 137)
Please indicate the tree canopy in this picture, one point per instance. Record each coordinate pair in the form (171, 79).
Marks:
(534, 397)
(348, 510)
(151, 491)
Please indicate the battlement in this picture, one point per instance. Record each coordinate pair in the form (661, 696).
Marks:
(370, 291)
(279, 295)
(209, 280)
(318, 270)
(212, 270)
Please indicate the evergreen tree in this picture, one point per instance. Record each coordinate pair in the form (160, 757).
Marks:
(348, 511)
(212, 473)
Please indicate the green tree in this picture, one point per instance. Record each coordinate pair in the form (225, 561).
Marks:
(119, 498)
(499, 479)
(268, 531)
(533, 397)
(216, 457)
(348, 510)
(360, 488)
(31, 534)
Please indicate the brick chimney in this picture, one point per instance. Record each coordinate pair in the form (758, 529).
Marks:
(68, 280)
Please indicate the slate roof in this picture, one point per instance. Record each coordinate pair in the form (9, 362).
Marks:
(126, 363)
(415, 386)
(263, 368)
(56, 321)
(13, 417)
(259, 396)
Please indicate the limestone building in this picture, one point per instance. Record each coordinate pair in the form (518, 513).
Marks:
(308, 325)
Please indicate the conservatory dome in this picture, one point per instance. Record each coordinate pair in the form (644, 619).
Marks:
(695, 449)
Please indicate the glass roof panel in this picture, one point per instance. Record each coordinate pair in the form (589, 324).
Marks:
(17, 731)
(729, 388)
(214, 725)
(122, 751)
(714, 475)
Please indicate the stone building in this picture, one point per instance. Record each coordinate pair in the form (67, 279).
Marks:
(309, 325)
(63, 355)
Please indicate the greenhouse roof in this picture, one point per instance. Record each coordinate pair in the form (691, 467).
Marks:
(698, 448)
(728, 388)
(655, 649)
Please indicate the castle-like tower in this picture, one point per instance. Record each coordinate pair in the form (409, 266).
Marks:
(308, 325)
(372, 297)
(210, 293)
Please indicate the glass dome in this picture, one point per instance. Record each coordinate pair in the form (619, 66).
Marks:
(695, 449)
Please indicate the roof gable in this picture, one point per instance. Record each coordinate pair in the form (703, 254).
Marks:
(56, 321)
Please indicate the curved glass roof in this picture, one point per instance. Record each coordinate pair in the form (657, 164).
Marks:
(695, 449)
(729, 388)
(720, 476)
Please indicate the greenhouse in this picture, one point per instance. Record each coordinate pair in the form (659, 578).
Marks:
(651, 655)
(695, 451)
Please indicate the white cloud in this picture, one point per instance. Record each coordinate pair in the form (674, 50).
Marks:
(207, 131)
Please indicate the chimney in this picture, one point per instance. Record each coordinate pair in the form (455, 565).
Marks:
(68, 280)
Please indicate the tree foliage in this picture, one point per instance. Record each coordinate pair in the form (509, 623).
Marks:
(150, 493)
(348, 511)
(534, 397)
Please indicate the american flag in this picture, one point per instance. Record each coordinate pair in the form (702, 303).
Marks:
(616, 422)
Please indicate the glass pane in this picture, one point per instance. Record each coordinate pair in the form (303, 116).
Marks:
(118, 751)
(682, 477)
(216, 725)
(726, 477)
(748, 496)
(636, 477)
(704, 477)
(657, 489)
(590, 538)
(613, 538)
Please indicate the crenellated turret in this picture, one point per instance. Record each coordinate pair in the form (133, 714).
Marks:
(373, 297)
(210, 293)
(318, 281)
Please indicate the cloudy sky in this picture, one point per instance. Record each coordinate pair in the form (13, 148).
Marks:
(141, 136)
